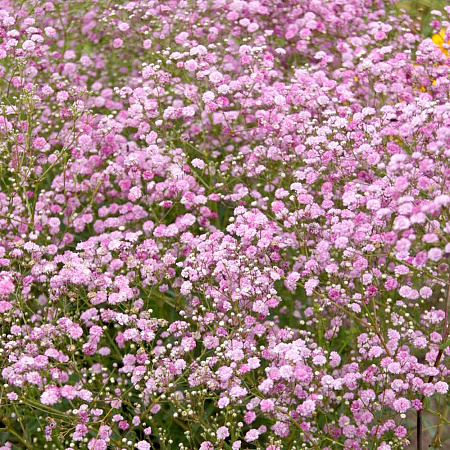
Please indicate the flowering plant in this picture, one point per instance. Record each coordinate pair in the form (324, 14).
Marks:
(224, 224)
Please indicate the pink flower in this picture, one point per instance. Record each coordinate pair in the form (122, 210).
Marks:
(206, 445)
(441, 387)
(222, 433)
(401, 405)
(198, 163)
(223, 402)
(251, 435)
(28, 45)
(186, 288)
(267, 405)
(135, 193)
(50, 396)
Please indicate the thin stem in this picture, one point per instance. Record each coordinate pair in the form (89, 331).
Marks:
(419, 430)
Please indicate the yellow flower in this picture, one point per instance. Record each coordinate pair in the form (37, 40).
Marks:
(439, 40)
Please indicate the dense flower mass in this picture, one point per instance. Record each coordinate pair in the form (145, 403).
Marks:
(224, 224)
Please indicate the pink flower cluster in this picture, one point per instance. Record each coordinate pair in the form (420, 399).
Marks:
(223, 224)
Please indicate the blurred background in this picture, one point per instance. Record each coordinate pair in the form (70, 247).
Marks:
(421, 9)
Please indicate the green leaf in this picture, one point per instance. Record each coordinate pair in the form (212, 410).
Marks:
(445, 345)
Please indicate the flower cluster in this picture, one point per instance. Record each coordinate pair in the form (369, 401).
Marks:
(224, 224)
